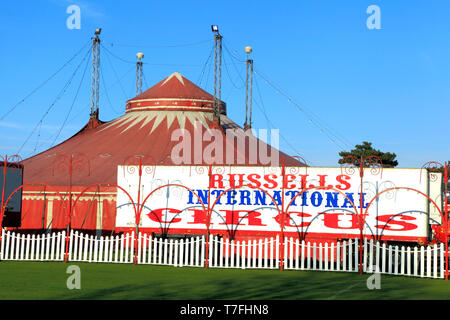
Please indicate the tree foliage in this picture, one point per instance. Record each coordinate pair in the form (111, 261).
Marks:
(364, 150)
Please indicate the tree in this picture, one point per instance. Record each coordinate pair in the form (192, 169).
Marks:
(365, 150)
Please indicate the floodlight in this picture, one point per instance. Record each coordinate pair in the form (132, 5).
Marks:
(140, 55)
(215, 28)
(98, 31)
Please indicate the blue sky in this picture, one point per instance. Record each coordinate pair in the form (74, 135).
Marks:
(388, 86)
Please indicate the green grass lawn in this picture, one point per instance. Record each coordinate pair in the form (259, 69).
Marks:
(47, 280)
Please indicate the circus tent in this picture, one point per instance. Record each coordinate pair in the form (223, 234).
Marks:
(145, 129)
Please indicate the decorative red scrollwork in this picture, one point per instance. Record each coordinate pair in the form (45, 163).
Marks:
(350, 163)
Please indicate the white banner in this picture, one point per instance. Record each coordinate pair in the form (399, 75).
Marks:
(396, 214)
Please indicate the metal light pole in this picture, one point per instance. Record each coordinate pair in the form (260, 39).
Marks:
(375, 164)
(139, 73)
(70, 164)
(217, 71)
(140, 162)
(248, 89)
(433, 166)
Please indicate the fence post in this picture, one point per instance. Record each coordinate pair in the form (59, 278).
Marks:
(285, 256)
(402, 261)
(254, 257)
(227, 251)
(33, 240)
(277, 251)
(202, 247)
(364, 253)
(243, 254)
(238, 253)
(138, 245)
(416, 261)
(2, 243)
(96, 249)
(22, 244)
(314, 256)
(271, 253)
(377, 255)
(422, 261)
(408, 261)
(338, 256)
(396, 260)
(181, 244)
(260, 254)
(435, 259)
(170, 252)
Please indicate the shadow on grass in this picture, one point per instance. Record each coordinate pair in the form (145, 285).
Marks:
(29, 280)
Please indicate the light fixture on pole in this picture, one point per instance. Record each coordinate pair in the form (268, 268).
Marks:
(248, 91)
(139, 73)
(217, 71)
(95, 74)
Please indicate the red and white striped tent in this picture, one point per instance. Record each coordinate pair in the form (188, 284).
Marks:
(145, 129)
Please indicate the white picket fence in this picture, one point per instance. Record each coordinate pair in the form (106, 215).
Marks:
(342, 256)
(174, 252)
(85, 248)
(44, 247)
(262, 254)
(423, 261)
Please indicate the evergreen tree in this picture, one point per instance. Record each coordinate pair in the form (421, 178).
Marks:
(364, 150)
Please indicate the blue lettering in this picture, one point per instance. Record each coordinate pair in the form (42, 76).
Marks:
(190, 197)
(293, 194)
(203, 195)
(260, 198)
(231, 197)
(332, 200)
(364, 204)
(316, 199)
(245, 195)
(277, 197)
(347, 203)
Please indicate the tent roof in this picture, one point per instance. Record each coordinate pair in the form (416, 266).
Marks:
(149, 132)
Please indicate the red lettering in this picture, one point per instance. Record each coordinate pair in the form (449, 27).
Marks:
(341, 179)
(331, 220)
(271, 182)
(216, 178)
(291, 221)
(303, 178)
(322, 178)
(287, 179)
(255, 180)
(235, 217)
(157, 215)
(199, 216)
(232, 181)
(389, 219)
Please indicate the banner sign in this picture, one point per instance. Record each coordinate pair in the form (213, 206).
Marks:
(249, 200)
